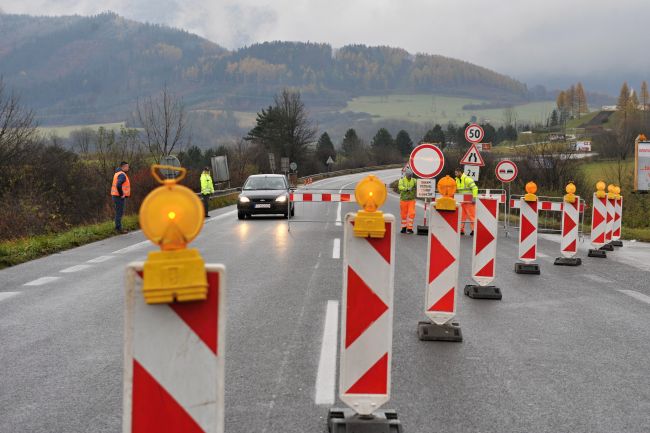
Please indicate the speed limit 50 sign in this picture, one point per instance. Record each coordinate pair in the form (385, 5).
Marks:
(474, 133)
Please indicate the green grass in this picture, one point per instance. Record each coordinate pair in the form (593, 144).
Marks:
(442, 109)
(18, 251)
(604, 170)
(65, 131)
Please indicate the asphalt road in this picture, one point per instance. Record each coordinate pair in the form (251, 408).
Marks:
(566, 351)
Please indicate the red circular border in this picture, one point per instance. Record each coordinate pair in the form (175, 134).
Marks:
(496, 170)
(427, 146)
(479, 127)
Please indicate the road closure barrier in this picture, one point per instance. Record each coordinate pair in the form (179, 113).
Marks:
(618, 219)
(366, 317)
(174, 360)
(570, 227)
(315, 205)
(484, 250)
(598, 222)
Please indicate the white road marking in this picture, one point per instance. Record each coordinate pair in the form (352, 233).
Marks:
(636, 295)
(326, 376)
(100, 259)
(336, 250)
(41, 281)
(542, 255)
(597, 279)
(132, 247)
(338, 214)
(7, 295)
(75, 268)
(218, 217)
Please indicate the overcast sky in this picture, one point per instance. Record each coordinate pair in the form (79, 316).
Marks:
(536, 41)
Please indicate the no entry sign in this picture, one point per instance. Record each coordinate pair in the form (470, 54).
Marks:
(506, 171)
(426, 161)
(474, 133)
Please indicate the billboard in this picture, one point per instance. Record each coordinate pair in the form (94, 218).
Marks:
(642, 166)
(220, 168)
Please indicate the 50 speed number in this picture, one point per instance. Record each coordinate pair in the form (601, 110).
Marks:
(474, 133)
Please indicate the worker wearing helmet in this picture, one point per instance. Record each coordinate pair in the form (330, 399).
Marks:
(406, 187)
(466, 185)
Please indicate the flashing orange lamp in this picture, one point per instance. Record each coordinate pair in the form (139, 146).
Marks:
(370, 193)
(611, 191)
(570, 196)
(617, 191)
(446, 187)
(600, 189)
(171, 216)
(531, 189)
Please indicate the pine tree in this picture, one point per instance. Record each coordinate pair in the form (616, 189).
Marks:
(435, 135)
(403, 142)
(325, 148)
(645, 96)
(555, 120)
(572, 106)
(623, 98)
(351, 143)
(581, 100)
(382, 139)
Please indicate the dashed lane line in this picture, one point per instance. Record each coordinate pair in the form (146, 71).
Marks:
(75, 268)
(326, 375)
(133, 247)
(7, 295)
(636, 295)
(336, 249)
(100, 259)
(41, 281)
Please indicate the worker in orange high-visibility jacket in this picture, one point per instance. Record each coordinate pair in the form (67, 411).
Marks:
(466, 185)
(120, 190)
(406, 187)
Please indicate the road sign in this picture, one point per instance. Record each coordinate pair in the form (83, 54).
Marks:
(426, 188)
(506, 171)
(426, 160)
(170, 161)
(272, 162)
(293, 166)
(472, 157)
(284, 164)
(329, 161)
(174, 360)
(474, 133)
(472, 171)
(642, 164)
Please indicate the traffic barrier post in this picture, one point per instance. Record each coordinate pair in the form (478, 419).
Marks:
(610, 206)
(618, 219)
(442, 268)
(484, 251)
(528, 205)
(174, 360)
(598, 221)
(570, 224)
(367, 317)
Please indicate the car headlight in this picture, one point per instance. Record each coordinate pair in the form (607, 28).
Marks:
(281, 199)
(243, 199)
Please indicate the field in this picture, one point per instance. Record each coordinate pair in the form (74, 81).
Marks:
(442, 109)
(65, 131)
(608, 171)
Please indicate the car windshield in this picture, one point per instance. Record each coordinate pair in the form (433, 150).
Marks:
(265, 183)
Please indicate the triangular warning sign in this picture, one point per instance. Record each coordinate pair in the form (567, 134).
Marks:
(472, 157)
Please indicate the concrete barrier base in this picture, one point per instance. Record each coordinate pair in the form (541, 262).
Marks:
(601, 254)
(527, 268)
(566, 261)
(348, 421)
(450, 331)
(475, 291)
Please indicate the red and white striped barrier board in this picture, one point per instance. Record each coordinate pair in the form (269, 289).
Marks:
(609, 220)
(555, 206)
(618, 219)
(308, 196)
(367, 318)
(442, 265)
(528, 230)
(174, 360)
(467, 198)
(598, 221)
(570, 222)
(485, 241)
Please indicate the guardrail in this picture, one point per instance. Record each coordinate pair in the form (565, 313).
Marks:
(319, 176)
(222, 192)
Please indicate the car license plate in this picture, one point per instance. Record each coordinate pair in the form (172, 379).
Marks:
(263, 206)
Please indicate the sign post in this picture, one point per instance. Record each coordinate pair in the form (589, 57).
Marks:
(426, 162)
(474, 133)
(618, 219)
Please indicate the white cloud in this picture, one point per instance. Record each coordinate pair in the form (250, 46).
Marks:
(517, 37)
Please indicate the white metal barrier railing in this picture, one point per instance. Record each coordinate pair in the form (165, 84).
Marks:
(549, 211)
(305, 203)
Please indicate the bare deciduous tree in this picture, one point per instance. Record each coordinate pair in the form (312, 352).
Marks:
(17, 128)
(164, 124)
(82, 140)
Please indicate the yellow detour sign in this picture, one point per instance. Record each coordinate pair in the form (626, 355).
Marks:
(171, 216)
(370, 193)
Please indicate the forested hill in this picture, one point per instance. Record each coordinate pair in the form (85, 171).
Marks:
(84, 68)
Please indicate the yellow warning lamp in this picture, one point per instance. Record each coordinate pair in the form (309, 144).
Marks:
(570, 196)
(447, 188)
(171, 216)
(531, 189)
(600, 189)
(611, 191)
(370, 193)
(617, 191)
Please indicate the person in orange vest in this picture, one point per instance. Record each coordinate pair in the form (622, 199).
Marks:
(406, 187)
(120, 190)
(466, 185)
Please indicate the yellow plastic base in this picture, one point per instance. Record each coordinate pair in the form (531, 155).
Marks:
(530, 197)
(570, 198)
(601, 194)
(445, 203)
(369, 224)
(174, 275)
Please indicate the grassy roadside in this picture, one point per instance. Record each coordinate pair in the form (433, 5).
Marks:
(23, 250)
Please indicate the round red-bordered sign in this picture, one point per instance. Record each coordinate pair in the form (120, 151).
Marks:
(474, 133)
(426, 160)
(506, 171)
